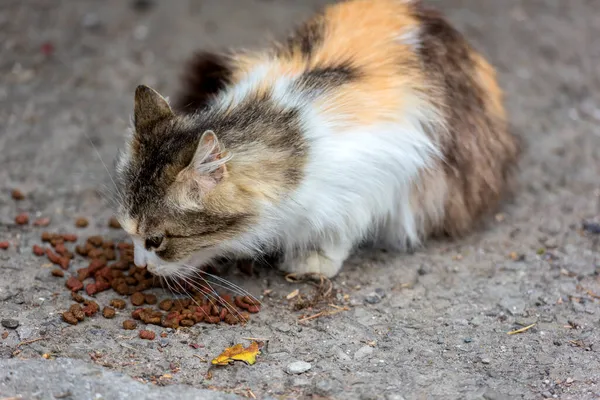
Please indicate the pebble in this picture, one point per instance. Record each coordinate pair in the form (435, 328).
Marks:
(467, 340)
(591, 227)
(10, 323)
(375, 297)
(163, 342)
(325, 387)
(297, 367)
(300, 382)
(90, 21)
(485, 361)
(363, 352)
(342, 356)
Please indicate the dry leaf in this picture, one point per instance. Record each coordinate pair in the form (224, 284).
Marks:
(293, 294)
(238, 353)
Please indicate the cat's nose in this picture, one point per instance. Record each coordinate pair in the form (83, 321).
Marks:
(139, 256)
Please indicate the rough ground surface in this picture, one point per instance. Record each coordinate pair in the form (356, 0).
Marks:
(440, 330)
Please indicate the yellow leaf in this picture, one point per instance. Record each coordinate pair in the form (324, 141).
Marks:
(238, 353)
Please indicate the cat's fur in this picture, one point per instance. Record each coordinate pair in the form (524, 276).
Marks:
(374, 120)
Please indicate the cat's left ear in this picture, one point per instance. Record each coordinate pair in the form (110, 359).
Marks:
(210, 157)
(150, 107)
(208, 166)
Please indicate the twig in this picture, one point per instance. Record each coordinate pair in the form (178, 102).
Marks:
(23, 343)
(251, 394)
(323, 314)
(524, 329)
(200, 358)
(592, 294)
(256, 339)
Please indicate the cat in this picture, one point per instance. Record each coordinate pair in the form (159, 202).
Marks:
(375, 120)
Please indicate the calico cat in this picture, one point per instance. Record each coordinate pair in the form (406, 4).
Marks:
(375, 120)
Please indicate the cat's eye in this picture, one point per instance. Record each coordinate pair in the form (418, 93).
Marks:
(153, 242)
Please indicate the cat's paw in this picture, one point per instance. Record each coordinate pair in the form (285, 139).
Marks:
(312, 262)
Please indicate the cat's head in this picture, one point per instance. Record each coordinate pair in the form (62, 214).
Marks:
(177, 197)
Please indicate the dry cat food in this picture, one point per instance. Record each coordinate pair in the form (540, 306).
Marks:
(108, 312)
(110, 267)
(81, 222)
(22, 219)
(44, 221)
(17, 194)
(129, 324)
(4, 245)
(148, 335)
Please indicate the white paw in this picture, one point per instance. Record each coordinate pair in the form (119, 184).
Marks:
(312, 262)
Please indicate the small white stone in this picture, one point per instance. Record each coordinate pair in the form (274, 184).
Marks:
(297, 367)
(363, 352)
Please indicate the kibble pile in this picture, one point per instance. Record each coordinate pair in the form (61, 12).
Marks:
(110, 267)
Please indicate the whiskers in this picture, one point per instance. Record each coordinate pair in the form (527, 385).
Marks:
(115, 197)
(199, 285)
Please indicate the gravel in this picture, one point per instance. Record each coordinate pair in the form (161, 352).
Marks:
(10, 323)
(297, 367)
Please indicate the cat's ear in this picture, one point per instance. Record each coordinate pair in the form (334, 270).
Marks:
(208, 166)
(210, 158)
(150, 107)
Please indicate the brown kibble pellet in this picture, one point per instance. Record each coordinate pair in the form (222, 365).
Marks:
(250, 300)
(77, 311)
(74, 284)
(253, 309)
(60, 249)
(147, 335)
(150, 299)
(137, 313)
(223, 313)
(91, 289)
(124, 246)
(110, 254)
(38, 250)
(240, 302)
(4, 334)
(69, 318)
(91, 308)
(114, 223)
(231, 319)
(47, 236)
(137, 299)
(186, 322)
(95, 253)
(108, 312)
(43, 222)
(56, 259)
(166, 305)
(69, 237)
(17, 194)
(119, 304)
(130, 280)
(122, 289)
(4, 245)
(108, 244)
(81, 222)
(58, 273)
(77, 297)
(212, 319)
(95, 240)
(81, 250)
(129, 324)
(22, 219)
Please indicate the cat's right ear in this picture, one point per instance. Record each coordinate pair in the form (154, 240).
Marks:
(150, 108)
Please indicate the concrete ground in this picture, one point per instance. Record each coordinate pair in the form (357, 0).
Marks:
(437, 328)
